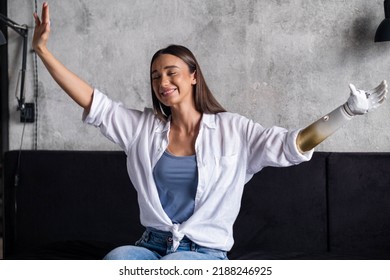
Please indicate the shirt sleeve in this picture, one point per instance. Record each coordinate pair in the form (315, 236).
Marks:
(116, 122)
(273, 146)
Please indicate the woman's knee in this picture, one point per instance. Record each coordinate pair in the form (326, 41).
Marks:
(190, 255)
(130, 252)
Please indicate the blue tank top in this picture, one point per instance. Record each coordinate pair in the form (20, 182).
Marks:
(176, 179)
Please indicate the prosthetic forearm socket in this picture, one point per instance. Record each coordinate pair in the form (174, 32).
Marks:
(318, 131)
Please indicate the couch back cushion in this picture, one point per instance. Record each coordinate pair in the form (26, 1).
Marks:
(283, 210)
(68, 195)
(359, 203)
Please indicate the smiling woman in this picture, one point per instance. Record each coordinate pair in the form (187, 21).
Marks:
(172, 82)
(203, 99)
(188, 158)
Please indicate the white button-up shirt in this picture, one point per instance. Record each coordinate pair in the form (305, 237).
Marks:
(229, 150)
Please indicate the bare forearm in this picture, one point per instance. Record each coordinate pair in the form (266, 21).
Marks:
(80, 91)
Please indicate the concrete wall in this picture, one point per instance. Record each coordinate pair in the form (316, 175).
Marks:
(279, 62)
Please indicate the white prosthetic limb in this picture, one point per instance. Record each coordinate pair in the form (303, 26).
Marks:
(359, 102)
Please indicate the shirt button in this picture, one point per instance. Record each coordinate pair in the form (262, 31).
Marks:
(170, 239)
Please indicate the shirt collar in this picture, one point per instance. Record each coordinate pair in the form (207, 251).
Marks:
(207, 119)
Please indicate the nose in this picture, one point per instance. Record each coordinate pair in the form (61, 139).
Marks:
(164, 81)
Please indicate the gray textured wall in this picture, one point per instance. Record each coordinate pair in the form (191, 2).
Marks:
(279, 62)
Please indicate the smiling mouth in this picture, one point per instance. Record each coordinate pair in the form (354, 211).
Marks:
(168, 92)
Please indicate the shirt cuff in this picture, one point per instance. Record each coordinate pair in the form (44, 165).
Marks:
(298, 156)
(93, 117)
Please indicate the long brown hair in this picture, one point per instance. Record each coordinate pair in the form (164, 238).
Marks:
(205, 102)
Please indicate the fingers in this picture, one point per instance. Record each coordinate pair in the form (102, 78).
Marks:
(356, 92)
(378, 99)
(375, 95)
(381, 87)
(45, 13)
(36, 18)
(376, 104)
(379, 92)
(378, 95)
(352, 87)
(42, 29)
(45, 17)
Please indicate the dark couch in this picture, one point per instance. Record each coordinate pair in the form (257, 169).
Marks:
(81, 204)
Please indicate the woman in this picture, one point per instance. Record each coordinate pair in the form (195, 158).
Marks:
(187, 158)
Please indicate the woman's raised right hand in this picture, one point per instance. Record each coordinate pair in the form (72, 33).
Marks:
(76, 88)
(42, 29)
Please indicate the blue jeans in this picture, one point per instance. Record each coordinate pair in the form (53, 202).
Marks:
(157, 245)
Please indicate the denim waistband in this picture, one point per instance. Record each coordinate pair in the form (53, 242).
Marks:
(163, 235)
(161, 242)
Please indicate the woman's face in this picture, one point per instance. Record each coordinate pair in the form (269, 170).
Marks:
(172, 81)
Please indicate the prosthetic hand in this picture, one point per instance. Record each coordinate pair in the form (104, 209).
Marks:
(359, 102)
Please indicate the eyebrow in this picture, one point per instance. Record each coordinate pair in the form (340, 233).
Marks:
(166, 67)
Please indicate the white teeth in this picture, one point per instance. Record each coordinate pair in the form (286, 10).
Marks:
(164, 93)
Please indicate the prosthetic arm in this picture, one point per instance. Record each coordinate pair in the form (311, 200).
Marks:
(359, 102)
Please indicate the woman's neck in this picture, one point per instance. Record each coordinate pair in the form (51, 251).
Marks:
(185, 120)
